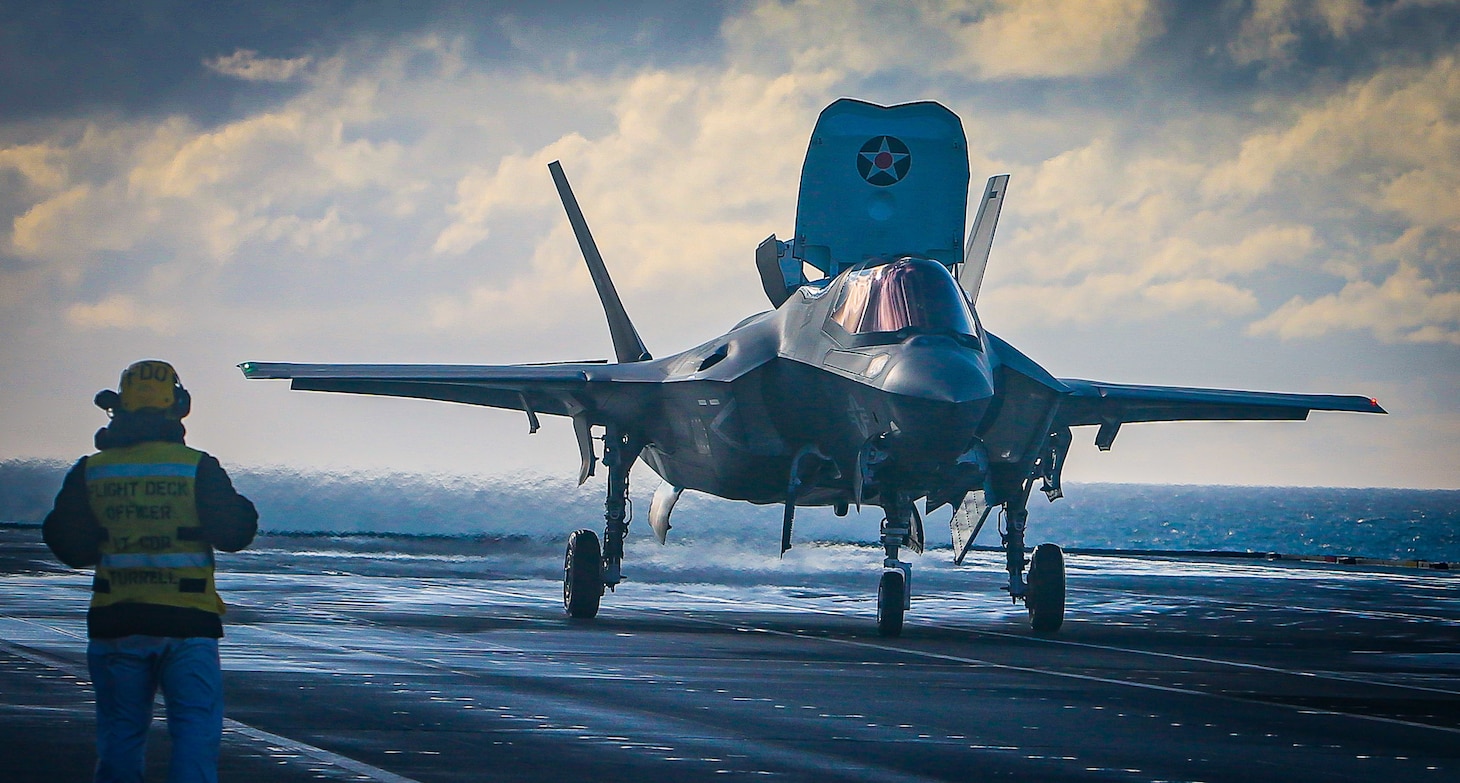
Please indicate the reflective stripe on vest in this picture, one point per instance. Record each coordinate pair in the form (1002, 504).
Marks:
(179, 560)
(144, 497)
(127, 470)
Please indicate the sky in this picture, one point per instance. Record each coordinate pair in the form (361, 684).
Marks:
(1258, 195)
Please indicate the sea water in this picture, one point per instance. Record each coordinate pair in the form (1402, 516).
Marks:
(1399, 524)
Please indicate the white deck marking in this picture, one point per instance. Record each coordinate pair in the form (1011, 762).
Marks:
(1024, 669)
(229, 725)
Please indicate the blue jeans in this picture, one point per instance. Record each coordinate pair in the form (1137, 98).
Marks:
(126, 673)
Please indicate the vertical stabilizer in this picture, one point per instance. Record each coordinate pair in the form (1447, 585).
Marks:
(981, 237)
(627, 347)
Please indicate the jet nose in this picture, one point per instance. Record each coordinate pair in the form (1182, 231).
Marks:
(939, 369)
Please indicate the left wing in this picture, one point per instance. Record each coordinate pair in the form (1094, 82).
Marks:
(1095, 402)
(560, 389)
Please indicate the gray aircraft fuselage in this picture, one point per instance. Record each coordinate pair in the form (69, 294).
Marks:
(730, 414)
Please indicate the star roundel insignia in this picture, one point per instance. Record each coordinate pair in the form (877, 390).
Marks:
(883, 161)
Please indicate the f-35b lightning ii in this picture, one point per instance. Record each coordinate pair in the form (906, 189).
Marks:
(874, 384)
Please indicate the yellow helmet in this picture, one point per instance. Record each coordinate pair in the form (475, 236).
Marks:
(153, 384)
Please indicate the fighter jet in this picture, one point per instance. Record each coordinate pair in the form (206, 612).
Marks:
(874, 384)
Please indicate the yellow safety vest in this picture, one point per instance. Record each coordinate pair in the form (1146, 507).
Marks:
(153, 550)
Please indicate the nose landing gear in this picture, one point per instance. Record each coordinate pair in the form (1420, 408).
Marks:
(894, 589)
(891, 602)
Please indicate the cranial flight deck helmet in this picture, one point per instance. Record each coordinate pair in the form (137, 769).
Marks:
(148, 385)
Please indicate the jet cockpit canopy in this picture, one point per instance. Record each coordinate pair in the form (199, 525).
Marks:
(910, 293)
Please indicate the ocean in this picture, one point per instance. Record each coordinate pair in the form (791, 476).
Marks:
(1394, 524)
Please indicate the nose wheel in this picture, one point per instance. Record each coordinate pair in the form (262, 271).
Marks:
(891, 603)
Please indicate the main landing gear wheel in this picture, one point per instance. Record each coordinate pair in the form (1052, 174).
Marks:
(582, 574)
(891, 600)
(1045, 598)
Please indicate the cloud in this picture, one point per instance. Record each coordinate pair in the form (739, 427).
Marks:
(1053, 38)
(1404, 308)
(987, 39)
(39, 164)
(1273, 30)
(122, 312)
(1381, 158)
(393, 160)
(1358, 184)
(246, 64)
(380, 188)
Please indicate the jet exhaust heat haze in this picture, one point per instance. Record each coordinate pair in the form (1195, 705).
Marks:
(874, 384)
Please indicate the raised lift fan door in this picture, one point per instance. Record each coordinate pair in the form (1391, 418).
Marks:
(882, 181)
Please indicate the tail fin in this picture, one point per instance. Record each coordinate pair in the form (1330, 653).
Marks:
(981, 238)
(627, 347)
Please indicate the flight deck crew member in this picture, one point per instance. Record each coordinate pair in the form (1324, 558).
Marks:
(147, 512)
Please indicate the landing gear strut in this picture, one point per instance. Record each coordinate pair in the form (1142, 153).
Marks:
(1016, 514)
(1044, 592)
(894, 593)
(587, 568)
(619, 453)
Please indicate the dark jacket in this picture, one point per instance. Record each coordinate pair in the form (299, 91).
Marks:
(228, 519)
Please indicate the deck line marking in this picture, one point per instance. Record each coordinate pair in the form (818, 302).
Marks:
(1257, 605)
(1010, 667)
(768, 748)
(316, 753)
(1110, 648)
(1093, 678)
(1215, 661)
(229, 724)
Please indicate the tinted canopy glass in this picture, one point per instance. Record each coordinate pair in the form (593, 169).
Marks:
(911, 293)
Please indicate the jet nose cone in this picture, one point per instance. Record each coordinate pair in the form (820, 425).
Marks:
(939, 369)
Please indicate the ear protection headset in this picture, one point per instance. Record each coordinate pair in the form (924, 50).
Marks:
(147, 385)
(182, 402)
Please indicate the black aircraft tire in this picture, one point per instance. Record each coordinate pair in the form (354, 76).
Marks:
(582, 575)
(891, 595)
(1045, 599)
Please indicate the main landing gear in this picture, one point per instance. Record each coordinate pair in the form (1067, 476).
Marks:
(1044, 592)
(587, 569)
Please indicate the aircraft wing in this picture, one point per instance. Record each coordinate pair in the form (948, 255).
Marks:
(1095, 402)
(580, 390)
(560, 389)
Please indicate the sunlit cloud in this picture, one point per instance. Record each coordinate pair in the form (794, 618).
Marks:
(248, 65)
(1273, 29)
(1052, 38)
(124, 313)
(1404, 308)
